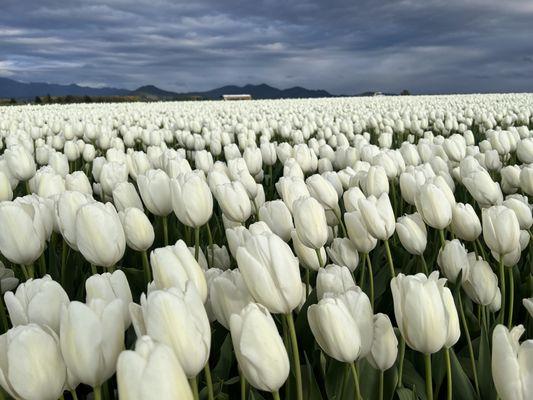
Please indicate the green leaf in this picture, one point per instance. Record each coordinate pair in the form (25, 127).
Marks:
(411, 378)
(486, 385)
(405, 394)
(310, 386)
(337, 377)
(462, 388)
(225, 361)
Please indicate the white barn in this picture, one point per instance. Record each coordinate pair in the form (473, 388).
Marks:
(237, 97)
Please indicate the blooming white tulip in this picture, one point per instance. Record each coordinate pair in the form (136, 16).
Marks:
(174, 266)
(125, 196)
(108, 287)
(378, 216)
(233, 200)
(501, 230)
(482, 188)
(452, 259)
(310, 222)
(78, 181)
(522, 210)
(333, 279)
(32, 366)
(322, 190)
(342, 251)
(7, 279)
(112, 174)
(91, 338)
(20, 162)
(481, 285)
(192, 200)
(154, 187)
(465, 222)
(291, 189)
(138, 230)
(271, 272)
(6, 192)
(151, 372)
(66, 210)
(278, 218)
(412, 233)
(384, 344)
(306, 255)
(358, 232)
(511, 363)
(432, 206)
(220, 256)
(99, 234)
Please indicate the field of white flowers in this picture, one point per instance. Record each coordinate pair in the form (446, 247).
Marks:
(345, 248)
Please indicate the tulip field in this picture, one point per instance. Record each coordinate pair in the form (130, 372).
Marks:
(340, 248)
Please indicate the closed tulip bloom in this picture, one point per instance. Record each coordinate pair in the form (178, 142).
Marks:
(228, 295)
(384, 344)
(423, 312)
(43, 213)
(323, 191)
(108, 287)
(236, 237)
(412, 233)
(125, 196)
(192, 200)
(465, 222)
(137, 228)
(482, 188)
(333, 279)
(20, 162)
(310, 222)
(358, 232)
(7, 279)
(154, 187)
(32, 366)
(512, 363)
(220, 256)
(306, 255)
(138, 163)
(351, 199)
(6, 192)
(174, 266)
(91, 338)
(342, 251)
(66, 210)
(37, 301)
(378, 216)
(432, 205)
(501, 230)
(528, 304)
(278, 218)
(22, 237)
(526, 179)
(179, 320)
(524, 150)
(78, 181)
(268, 153)
(151, 372)
(111, 175)
(522, 211)
(271, 272)
(452, 259)
(259, 348)
(99, 234)
(291, 189)
(376, 182)
(335, 329)
(233, 200)
(482, 284)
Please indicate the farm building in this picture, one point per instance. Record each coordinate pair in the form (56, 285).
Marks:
(236, 97)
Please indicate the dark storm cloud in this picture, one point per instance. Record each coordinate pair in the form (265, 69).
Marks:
(344, 46)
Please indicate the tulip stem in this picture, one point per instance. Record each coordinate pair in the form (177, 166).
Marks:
(319, 256)
(194, 387)
(197, 243)
(97, 392)
(482, 251)
(468, 341)
(424, 265)
(165, 230)
(24, 271)
(371, 276)
(243, 385)
(502, 288)
(74, 394)
(400, 366)
(442, 239)
(307, 282)
(94, 270)
(209, 381)
(429, 379)
(448, 373)
(363, 274)
(356, 381)
(210, 241)
(511, 298)
(5, 324)
(146, 267)
(275, 395)
(381, 382)
(27, 186)
(64, 251)
(339, 218)
(42, 265)
(296, 356)
(389, 258)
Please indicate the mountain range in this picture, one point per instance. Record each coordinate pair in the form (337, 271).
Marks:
(10, 88)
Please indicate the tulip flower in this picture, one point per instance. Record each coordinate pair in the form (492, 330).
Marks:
(78, 182)
(358, 232)
(465, 222)
(154, 187)
(412, 233)
(384, 344)
(310, 222)
(333, 279)
(66, 210)
(432, 206)
(291, 189)
(191, 199)
(138, 230)
(342, 251)
(125, 196)
(20, 162)
(481, 285)
(511, 363)
(219, 257)
(501, 230)
(306, 255)
(152, 371)
(233, 200)
(452, 259)
(99, 234)
(32, 366)
(278, 218)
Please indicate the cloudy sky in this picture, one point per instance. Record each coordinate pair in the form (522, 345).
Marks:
(344, 46)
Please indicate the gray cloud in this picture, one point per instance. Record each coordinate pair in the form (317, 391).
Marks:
(343, 46)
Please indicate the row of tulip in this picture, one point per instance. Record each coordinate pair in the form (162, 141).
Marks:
(327, 249)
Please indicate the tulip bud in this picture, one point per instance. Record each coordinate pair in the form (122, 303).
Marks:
(259, 348)
(522, 211)
(137, 228)
(360, 309)
(20, 162)
(452, 259)
(501, 230)
(310, 222)
(291, 189)
(323, 191)
(174, 266)
(191, 199)
(335, 329)
(151, 372)
(384, 344)
(376, 182)
(481, 284)
(528, 304)
(511, 363)
(343, 252)
(465, 222)
(278, 218)
(351, 199)
(271, 272)
(358, 232)
(66, 210)
(108, 287)
(306, 255)
(164, 310)
(125, 196)
(91, 338)
(433, 207)
(78, 182)
(220, 257)
(154, 187)
(99, 234)
(112, 174)
(233, 200)
(378, 216)
(412, 233)
(32, 366)
(6, 193)
(482, 188)
(333, 279)
(7, 279)
(37, 301)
